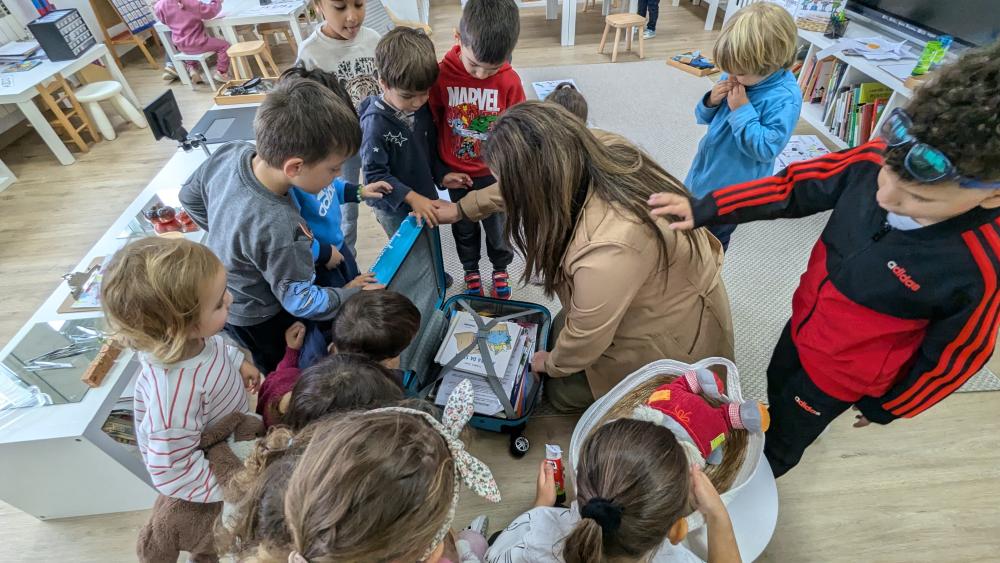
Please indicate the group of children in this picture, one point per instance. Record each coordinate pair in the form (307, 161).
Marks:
(901, 286)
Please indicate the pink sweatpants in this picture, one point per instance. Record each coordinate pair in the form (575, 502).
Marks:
(205, 45)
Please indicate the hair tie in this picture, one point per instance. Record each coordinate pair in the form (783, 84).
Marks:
(606, 513)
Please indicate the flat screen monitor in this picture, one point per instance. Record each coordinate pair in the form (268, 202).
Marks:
(970, 22)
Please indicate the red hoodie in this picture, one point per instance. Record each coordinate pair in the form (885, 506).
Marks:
(464, 109)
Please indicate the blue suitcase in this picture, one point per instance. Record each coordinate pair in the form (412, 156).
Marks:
(412, 264)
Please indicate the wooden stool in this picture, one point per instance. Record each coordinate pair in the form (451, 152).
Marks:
(240, 54)
(92, 94)
(266, 30)
(626, 22)
(58, 97)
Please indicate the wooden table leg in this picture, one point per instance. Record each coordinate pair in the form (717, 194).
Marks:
(46, 131)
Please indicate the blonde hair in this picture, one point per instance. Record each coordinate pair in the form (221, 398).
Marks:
(760, 39)
(151, 293)
(370, 486)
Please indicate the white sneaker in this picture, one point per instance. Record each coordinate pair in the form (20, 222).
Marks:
(219, 77)
(648, 34)
(196, 77)
(169, 73)
(480, 524)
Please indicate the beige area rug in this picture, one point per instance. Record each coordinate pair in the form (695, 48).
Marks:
(653, 105)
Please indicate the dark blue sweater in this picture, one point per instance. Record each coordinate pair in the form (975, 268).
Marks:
(393, 152)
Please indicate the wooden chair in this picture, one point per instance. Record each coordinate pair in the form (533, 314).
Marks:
(626, 22)
(398, 22)
(240, 53)
(57, 97)
(108, 17)
(268, 30)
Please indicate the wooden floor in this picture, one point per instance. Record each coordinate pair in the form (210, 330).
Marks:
(921, 490)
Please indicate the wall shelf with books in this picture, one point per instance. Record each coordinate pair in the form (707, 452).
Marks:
(846, 97)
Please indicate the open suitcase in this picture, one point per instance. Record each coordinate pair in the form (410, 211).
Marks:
(412, 264)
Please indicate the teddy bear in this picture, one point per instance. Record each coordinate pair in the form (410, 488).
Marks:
(177, 525)
(701, 428)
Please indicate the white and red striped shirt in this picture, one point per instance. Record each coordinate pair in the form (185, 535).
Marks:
(173, 404)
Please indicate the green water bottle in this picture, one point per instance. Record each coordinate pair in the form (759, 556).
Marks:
(927, 57)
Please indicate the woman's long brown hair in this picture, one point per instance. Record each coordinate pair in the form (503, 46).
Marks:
(542, 155)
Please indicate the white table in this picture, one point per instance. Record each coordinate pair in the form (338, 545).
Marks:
(240, 12)
(19, 88)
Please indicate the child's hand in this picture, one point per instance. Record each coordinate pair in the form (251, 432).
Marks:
(335, 258)
(295, 335)
(376, 190)
(545, 493)
(860, 420)
(423, 209)
(456, 181)
(677, 206)
(250, 375)
(737, 97)
(446, 212)
(719, 92)
(365, 281)
(706, 498)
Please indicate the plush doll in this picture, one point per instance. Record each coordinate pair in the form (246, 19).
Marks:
(701, 428)
(177, 525)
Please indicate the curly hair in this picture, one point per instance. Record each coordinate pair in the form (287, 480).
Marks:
(956, 112)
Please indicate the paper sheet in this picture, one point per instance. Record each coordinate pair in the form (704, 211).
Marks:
(799, 147)
(544, 88)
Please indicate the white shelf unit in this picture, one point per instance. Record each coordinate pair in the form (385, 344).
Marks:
(859, 69)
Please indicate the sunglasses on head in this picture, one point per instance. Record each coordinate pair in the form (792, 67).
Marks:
(925, 163)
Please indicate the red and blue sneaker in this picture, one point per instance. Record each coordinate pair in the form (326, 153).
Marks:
(501, 285)
(473, 283)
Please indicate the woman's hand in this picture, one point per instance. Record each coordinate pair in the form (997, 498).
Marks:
(676, 208)
(446, 212)
(545, 491)
(376, 190)
(538, 361)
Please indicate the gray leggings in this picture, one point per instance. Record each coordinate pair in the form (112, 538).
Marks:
(350, 171)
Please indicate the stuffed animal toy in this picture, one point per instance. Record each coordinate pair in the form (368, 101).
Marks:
(701, 428)
(177, 525)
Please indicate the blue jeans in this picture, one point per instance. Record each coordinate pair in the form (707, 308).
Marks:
(351, 172)
(391, 220)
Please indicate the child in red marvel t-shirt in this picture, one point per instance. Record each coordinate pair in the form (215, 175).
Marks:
(475, 85)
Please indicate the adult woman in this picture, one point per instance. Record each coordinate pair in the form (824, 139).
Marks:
(632, 290)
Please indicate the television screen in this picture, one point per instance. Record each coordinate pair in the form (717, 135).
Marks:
(971, 22)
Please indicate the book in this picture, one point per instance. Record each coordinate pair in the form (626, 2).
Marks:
(870, 91)
(501, 341)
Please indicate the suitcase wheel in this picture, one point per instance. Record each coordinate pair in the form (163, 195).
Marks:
(519, 445)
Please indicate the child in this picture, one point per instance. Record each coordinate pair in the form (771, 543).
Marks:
(751, 111)
(340, 383)
(167, 299)
(403, 493)
(475, 86)
(633, 491)
(239, 196)
(187, 32)
(649, 9)
(335, 260)
(898, 305)
(376, 324)
(566, 95)
(345, 48)
(399, 142)
(275, 391)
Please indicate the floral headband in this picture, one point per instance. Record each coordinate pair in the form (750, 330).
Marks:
(473, 472)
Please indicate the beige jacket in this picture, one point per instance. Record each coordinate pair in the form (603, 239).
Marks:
(624, 311)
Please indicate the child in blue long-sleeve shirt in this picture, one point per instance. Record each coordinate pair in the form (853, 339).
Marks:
(753, 108)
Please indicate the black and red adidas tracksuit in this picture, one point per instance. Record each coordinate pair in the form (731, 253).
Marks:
(892, 321)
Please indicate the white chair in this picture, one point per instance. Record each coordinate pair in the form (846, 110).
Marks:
(200, 58)
(91, 96)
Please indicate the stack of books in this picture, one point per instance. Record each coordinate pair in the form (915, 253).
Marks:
(510, 346)
(850, 111)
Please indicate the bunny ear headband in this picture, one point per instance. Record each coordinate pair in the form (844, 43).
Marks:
(473, 472)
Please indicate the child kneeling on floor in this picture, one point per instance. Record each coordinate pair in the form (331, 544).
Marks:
(167, 299)
(898, 305)
(634, 487)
